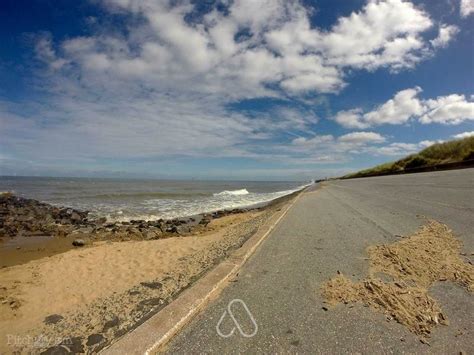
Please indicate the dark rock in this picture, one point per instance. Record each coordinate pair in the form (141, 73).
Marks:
(172, 229)
(76, 217)
(53, 319)
(27, 217)
(154, 285)
(74, 345)
(205, 221)
(78, 242)
(94, 339)
(114, 322)
(148, 303)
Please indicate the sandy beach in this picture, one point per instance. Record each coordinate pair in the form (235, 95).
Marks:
(57, 297)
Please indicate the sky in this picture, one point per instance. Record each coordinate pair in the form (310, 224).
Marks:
(239, 90)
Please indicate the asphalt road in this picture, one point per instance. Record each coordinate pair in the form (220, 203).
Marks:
(328, 230)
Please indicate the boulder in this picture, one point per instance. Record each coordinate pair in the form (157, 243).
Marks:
(172, 229)
(78, 242)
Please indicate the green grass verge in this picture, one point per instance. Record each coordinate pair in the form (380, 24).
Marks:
(441, 153)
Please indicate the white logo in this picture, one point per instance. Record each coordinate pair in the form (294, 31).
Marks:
(239, 328)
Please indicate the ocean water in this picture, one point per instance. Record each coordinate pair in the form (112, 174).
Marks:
(126, 199)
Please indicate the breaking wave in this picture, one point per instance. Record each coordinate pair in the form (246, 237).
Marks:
(232, 192)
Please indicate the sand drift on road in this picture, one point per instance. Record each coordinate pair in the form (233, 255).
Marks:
(413, 264)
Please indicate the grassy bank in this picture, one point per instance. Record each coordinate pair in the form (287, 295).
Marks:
(437, 155)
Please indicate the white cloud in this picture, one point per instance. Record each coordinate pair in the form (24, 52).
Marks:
(402, 149)
(464, 135)
(446, 34)
(362, 138)
(398, 110)
(279, 46)
(163, 87)
(313, 141)
(384, 33)
(427, 143)
(451, 109)
(466, 7)
(46, 54)
(351, 119)
(397, 149)
(405, 105)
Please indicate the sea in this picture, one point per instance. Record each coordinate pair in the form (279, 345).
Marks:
(127, 199)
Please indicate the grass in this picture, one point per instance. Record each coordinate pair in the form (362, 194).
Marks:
(441, 153)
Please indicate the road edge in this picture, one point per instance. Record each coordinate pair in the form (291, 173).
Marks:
(156, 332)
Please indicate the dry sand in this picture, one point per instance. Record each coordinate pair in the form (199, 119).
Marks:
(86, 297)
(413, 264)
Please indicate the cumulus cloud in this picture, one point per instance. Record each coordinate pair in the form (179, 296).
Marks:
(351, 119)
(398, 110)
(464, 135)
(466, 7)
(406, 105)
(445, 35)
(254, 44)
(163, 87)
(451, 109)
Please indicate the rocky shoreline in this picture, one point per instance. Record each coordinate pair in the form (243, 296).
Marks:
(30, 229)
(23, 217)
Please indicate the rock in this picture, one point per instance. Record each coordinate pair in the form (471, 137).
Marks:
(153, 285)
(74, 345)
(78, 242)
(184, 229)
(148, 303)
(205, 221)
(172, 229)
(114, 322)
(94, 339)
(53, 319)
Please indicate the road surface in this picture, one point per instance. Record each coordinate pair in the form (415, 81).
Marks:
(325, 231)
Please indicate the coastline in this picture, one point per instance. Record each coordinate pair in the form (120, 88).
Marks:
(31, 235)
(116, 281)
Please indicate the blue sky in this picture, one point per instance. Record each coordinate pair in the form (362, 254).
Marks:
(244, 89)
